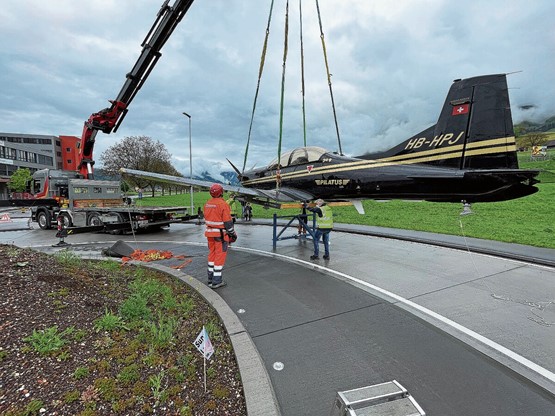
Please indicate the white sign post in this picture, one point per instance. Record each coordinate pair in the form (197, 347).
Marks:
(205, 347)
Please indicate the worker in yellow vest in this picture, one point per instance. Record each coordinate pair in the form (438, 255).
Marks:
(324, 225)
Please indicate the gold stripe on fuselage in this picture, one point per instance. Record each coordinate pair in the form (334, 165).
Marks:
(501, 145)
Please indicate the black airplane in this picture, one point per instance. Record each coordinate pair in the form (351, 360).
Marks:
(469, 155)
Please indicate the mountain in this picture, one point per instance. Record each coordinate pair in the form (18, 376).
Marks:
(532, 127)
(229, 176)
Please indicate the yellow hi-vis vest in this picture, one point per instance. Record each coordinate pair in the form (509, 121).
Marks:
(326, 220)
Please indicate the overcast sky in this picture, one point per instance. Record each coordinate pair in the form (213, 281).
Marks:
(392, 63)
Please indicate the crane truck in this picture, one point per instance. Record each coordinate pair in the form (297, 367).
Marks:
(75, 197)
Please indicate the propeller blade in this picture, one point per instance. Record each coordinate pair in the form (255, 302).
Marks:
(239, 174)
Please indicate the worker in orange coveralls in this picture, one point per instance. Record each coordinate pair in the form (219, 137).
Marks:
(219, 233)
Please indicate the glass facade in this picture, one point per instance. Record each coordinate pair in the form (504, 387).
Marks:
(29, 151)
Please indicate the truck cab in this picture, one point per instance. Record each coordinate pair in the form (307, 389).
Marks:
(51, 183)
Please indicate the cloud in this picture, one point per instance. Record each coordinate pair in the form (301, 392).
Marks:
(391, 65)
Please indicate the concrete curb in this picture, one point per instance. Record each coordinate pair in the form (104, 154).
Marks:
(258, 390)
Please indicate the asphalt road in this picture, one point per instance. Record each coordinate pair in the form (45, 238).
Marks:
(318, 333)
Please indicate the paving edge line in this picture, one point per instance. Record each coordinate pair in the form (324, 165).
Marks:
(533, 372)
(257, 388)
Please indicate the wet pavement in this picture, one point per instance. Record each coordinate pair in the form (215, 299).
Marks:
(464, 332)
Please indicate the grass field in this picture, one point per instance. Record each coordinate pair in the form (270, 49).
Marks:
(529, 220)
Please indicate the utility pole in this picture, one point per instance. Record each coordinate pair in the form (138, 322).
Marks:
(190, 160)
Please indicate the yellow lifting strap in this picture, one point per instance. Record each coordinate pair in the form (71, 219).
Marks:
(302, 68)
(285, 44)
(329, 77)
(260, 71)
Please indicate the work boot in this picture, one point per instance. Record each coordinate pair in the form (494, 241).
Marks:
(314, 258)
(326, 257)
(218, 285)
(210, 284)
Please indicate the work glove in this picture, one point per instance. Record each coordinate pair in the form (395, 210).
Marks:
(233, 237)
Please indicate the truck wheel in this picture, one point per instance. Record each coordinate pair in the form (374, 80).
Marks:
(44, 220)
(94, 219)
(120, 219)
(66, 220)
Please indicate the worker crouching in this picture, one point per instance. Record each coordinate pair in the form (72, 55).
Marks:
(219, 233)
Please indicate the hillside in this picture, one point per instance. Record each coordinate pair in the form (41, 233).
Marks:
(526, 126)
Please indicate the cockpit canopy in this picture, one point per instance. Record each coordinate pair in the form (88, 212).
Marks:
(299, 156)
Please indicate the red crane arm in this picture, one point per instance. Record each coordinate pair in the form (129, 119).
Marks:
(109, 119)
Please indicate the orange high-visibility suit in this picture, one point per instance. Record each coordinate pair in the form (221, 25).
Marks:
(219, 233)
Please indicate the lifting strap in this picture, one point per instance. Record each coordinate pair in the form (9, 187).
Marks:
(282, 89)
(329, 77)
(260, 70)
(302, 69)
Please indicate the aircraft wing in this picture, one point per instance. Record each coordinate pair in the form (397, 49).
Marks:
(279, 195)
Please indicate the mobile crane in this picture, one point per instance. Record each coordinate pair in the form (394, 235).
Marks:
(78, 199)
(109, 119)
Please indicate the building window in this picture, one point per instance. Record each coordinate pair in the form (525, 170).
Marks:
(58, 143)
(23, 155)
(45, 160)
(69, 161)
(59, 154)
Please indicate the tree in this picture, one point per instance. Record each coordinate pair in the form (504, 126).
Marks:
(532, 139)
(140, 153)
(18, 181)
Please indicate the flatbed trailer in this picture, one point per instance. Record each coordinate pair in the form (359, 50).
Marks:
(123, 218)
(60, 199)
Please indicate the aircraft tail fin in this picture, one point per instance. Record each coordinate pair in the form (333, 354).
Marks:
(474, 129)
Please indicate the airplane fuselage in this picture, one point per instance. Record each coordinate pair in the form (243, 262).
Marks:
(336, 177)
(468, 155)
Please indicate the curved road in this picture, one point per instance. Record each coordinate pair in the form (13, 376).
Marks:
(465, 333)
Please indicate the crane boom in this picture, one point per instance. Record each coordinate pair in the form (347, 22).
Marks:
(109, 119)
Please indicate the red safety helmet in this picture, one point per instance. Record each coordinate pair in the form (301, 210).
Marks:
(216, 190)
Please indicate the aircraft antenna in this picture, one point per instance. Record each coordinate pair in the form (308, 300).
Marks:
(260, 71)
(329, 77)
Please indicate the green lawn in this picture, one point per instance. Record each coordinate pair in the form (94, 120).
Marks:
(529, 220)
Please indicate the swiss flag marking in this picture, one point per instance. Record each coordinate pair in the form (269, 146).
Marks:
(460, 109)
(309, 168)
